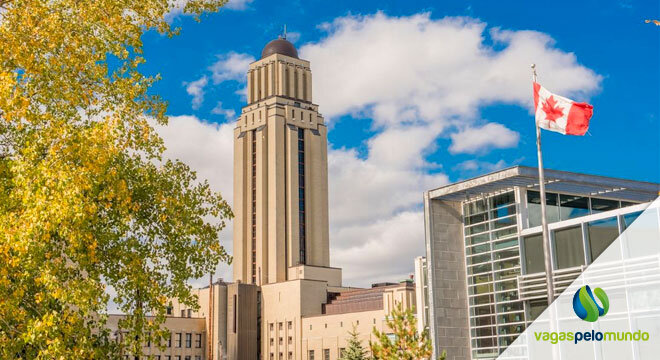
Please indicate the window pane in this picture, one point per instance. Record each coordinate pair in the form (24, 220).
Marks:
(629, 218)
(511, 329)
(516, 306)
(507, 274)
(506, 253)
(481, 299)
(483, 342)
(504, 233)
(479, 268)
(503, 222)
(478, 249)
(487, 331)
(507, 296)
(572, 206)
(502, 200)
(477, 239)
(536, 307)
(483, 321)
(506, 285)
(481, 289)
(507, 264)
(534, 207)
(568, 247)
(601, 234)
(478, 259)
(503, 211)
(480, 279)
(482, 310)
(509, 318)
(476, 229)
(474, 219)
(600, 205)
(534, 259)
(475, 207)
(505, 244)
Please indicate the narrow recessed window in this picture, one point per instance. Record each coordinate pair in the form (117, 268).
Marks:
(254, 206)
(301, 196)
(304, 85)
(235, 313)
(295, 84)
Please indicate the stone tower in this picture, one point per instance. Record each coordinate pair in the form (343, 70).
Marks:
(280, 171)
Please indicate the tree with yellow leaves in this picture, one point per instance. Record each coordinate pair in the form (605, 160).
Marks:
(87, 202)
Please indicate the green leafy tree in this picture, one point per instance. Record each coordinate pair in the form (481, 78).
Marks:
(407, 342)
(87, 202)
(354, 351)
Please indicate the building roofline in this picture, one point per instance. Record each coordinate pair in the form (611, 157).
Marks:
(563, 181)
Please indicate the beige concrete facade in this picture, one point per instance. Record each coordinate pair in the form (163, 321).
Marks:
(280, 174)
(187, 340)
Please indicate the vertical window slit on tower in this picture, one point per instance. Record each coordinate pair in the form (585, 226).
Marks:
(254, 206)
(301, 194)
(295, 84)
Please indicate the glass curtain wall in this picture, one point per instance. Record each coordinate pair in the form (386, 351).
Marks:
(493, 264)
(563, 207)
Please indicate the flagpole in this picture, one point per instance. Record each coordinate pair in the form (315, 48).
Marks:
(544, 219)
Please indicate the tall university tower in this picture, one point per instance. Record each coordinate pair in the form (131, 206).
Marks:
(280, 171)
(286, 301)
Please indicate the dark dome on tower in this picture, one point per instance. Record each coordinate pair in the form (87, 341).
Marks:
(279, 46)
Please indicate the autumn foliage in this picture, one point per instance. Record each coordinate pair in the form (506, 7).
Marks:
(88, 206)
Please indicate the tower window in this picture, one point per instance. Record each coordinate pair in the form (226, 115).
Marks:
(304, 84)
(301, 194)
(295, 84)
(254, 206)
(287, 91)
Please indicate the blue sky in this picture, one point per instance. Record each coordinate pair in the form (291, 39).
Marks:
(420, 93)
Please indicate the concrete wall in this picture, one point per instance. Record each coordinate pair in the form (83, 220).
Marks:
(177, 326)
(331, 332)
(241, 321)
(219, 321)
(329, 274)
(449, 323)
(283, 307)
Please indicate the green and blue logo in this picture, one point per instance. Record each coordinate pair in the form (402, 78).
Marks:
(585, 305)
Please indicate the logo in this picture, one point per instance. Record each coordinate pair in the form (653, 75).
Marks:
(585, 305)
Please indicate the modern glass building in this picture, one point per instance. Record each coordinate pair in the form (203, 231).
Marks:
(485, 254)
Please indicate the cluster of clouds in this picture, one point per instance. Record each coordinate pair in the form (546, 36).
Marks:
(415, 80)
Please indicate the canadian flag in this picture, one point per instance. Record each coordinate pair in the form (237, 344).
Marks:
(557, 113)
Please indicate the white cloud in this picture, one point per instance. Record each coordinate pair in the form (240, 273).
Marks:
(383, 250)
(416, 78)
(476, 167)
(402, 69)
(209, 150)
(472, 140)
(231, 66)
(389, 180)
(238, 4)
(293, 36)
(196, 90)
(229, 114)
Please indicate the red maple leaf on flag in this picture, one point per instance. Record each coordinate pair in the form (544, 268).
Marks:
(551, 110)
